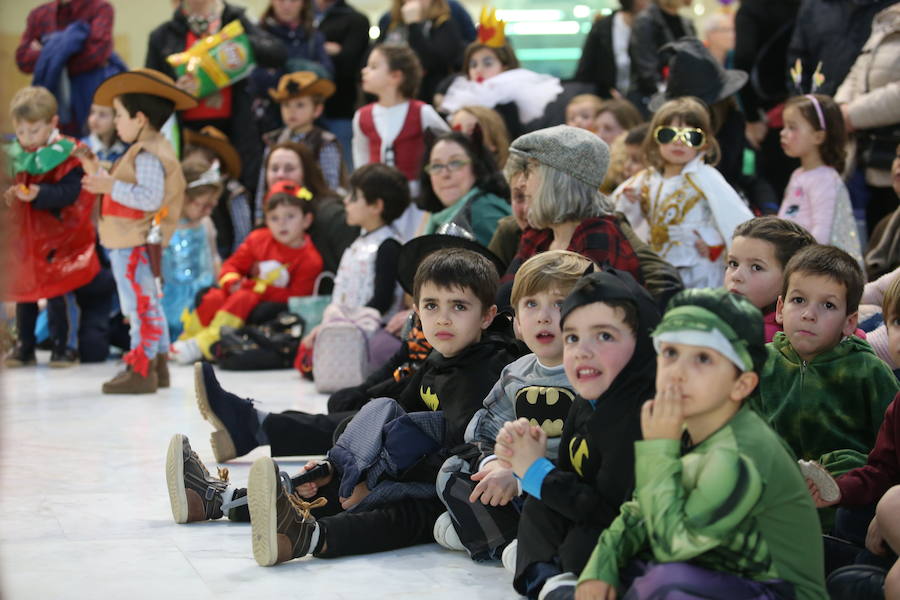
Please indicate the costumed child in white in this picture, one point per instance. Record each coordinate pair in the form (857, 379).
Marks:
(680, 204)
(494, 79)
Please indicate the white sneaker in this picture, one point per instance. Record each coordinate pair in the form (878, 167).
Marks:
(185, 352)
(558, 581)
(508, 558)
(445, 534)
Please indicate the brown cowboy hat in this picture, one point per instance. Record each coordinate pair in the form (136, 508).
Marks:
(212, 139)
(143, 81)
(301, 83)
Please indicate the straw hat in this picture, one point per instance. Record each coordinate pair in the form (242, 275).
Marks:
(301, 83)
(211, 138)
(143, 81)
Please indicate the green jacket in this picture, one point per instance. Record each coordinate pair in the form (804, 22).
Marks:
(736, 502)
(836, 401)
(483, 210)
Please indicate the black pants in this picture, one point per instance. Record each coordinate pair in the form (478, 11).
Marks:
(62, 315)
(292, 432)
(398, 525)
(96, 300)
(547, 540)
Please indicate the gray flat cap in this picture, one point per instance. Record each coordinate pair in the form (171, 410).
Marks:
(574, 151)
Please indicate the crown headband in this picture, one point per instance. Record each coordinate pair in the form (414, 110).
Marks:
(491, 32)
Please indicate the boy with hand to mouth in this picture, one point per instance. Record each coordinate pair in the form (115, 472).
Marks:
(719, 504)
(608, 359)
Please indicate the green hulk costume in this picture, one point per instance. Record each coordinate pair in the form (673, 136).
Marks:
(836, 401)
(736, 502)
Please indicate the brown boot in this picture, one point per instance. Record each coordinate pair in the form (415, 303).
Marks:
(131, 382)
(162, 369)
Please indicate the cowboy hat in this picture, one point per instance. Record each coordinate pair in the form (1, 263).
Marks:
(694, 72)
(301, 83)
(214, 140)
(414, 252)
(143, 81)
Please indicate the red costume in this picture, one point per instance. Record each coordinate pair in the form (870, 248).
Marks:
(408, 146)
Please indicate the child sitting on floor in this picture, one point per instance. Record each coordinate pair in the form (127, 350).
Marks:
(754, 266)
(719, 505)
(823, 389)
(273, 264)
(608, 359)
(481, 496)
(453, 292)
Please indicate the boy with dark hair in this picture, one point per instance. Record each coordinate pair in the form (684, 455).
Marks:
(754, 267)
(51, 217)
(302, 96)
(482, 497)
(719, 504)
(141, 206)
(608, 359)
(823, 389)
(452, 290)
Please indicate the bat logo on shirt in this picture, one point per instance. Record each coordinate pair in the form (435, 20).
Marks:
(430, 399)
(577, 456)
(545, 407)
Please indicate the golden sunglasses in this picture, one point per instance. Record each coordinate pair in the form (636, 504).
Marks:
(689, 136)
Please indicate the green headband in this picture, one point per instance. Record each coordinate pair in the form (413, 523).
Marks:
(697, 326)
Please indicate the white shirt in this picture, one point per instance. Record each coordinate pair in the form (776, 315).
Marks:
(621, 36)
(388, 123)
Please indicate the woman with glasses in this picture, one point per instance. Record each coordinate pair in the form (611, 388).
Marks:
(461, 185)
(680, 204)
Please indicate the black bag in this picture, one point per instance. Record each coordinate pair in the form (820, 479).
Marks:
(877, 148)
(271, 345)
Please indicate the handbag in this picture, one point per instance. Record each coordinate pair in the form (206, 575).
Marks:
(877, 148)
(270, 345)
(311, 308)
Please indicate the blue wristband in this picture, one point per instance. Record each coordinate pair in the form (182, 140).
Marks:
(534, 476)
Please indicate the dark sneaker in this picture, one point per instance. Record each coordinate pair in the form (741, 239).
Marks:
(234, 418)
(21, 356)
(194, 494)
(62, 358)
(130, 381)
(162, 370)
(280, 520)
(856, 581)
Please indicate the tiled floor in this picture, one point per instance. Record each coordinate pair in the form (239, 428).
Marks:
(84, 511)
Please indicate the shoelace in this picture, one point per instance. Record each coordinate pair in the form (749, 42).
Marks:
(302, 507)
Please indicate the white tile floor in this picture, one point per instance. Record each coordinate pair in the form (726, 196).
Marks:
(84, 511)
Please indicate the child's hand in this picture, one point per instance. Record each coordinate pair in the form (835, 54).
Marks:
(594, 589)
(701, 246)
(816, 496)
(519, 444)
(99, 183)
(631, 194)
(874, 540)
(359, 494)
(308, 490)
(663, 417)
(411, 11)
(88, 159)
(310, 338)
(27, 193)
(496, 485)
(188, 83)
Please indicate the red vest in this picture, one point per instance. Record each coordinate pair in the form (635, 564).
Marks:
(408, 147)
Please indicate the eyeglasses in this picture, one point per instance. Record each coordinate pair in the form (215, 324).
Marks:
(689, 136)
(452, 167)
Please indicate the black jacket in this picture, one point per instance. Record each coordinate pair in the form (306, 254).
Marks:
(832, 32)
(648, 34)
(348, 27)
(598, 62)
(764, 29)
(170, 38)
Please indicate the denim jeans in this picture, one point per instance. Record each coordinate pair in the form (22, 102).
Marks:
(139, 301)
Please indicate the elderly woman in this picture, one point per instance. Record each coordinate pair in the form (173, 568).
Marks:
(563, 168)
(461, 185)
